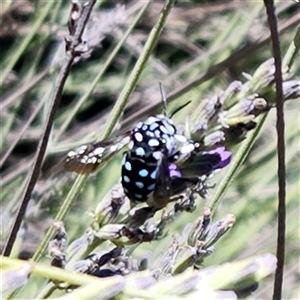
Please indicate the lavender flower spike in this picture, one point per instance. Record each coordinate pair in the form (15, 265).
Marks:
(225, 157)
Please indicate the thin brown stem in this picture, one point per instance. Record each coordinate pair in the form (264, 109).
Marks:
(277, 290)
(71, 54)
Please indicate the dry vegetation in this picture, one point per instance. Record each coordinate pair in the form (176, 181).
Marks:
(202, 49)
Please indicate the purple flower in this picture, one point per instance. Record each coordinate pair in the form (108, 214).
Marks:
(225, 157)
(174, 171)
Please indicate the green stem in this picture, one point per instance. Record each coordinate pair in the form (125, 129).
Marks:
(138, 68)
(292, 52)
(237, 162)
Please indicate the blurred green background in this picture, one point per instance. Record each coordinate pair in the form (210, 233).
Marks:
(205, 46)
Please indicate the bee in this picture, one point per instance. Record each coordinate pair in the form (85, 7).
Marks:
(150, 170)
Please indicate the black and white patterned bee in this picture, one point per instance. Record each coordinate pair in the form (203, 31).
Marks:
(153, 148)
(150, 168)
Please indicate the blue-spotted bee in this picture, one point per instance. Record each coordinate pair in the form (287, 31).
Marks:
(158, 164)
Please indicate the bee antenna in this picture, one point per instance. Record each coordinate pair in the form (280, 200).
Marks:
(163, 99)
(179, 108)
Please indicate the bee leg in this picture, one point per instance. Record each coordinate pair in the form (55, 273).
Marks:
(180, 184)
(140, 216)
(163, 187)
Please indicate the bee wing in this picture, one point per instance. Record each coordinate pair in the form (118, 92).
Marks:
(168, 185)
(203, 164)
(87, 158)
(163, 184)
(180, 184)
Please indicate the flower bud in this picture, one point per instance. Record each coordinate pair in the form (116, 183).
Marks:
(230, 95)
